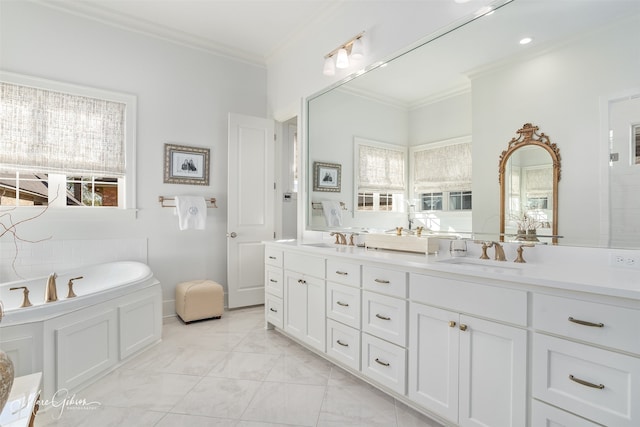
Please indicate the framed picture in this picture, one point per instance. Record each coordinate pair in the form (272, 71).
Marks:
(186, 165)
(326, 176)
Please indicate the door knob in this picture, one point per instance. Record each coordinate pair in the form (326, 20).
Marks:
(233, 234)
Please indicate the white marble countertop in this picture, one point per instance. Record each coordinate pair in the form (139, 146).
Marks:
(22, 399)
(559, 268)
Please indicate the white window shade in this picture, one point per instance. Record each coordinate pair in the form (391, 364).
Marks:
(380, 169)
(442, 168)
(539, 181)
(46, 132)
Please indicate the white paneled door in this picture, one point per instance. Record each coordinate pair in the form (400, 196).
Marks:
(250, 209)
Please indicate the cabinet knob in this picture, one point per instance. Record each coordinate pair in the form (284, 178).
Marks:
(452, 324)
(463, 327)
(302, 282)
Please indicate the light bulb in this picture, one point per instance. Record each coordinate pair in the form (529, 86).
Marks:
(357, 49)
(329, 66)
(342, 60)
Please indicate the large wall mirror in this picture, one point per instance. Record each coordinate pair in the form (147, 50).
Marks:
(458, 98)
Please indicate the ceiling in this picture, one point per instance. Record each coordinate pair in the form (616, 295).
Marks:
(226, 27)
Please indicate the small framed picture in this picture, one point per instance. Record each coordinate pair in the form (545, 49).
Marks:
(326, 176)
(186, 165)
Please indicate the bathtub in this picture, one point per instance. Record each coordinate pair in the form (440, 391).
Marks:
(99, 282)
(117, 313)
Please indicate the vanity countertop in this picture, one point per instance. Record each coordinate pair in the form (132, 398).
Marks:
(564, 274)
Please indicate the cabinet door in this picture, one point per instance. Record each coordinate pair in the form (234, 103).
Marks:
(316, 317)
(493, 372)
(433, 359)
(295, 300)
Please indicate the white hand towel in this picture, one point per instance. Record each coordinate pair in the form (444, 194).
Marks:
(192, 212)
(332, 213)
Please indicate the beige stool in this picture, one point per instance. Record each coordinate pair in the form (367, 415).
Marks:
(199, 299)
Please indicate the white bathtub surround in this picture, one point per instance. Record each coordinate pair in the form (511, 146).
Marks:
(43, 258)
(115, 315)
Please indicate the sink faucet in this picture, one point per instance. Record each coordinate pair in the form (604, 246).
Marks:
(341, 239)
(50, 292)
(498, 248)
(499, 252)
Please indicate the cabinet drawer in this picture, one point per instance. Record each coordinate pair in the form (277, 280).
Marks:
(273, 256)
(384, 362)
(343, 344)
(343, 272)
(273, 311)
(302, 263)
(545, 415)
(343, 304)
(602, 324)
(597, 384)
(508, 305)
(385, 281)
(273, 281)
(385, 317)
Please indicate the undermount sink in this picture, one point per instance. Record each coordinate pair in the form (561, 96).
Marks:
(485, 264)
(320, 245)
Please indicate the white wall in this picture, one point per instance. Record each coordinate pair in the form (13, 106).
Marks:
(560, 91)
(391, 26)
(184, 96)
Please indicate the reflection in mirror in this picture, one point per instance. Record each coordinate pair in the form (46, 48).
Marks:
(529, 171)
(477, 82)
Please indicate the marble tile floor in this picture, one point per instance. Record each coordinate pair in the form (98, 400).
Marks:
(229, 372)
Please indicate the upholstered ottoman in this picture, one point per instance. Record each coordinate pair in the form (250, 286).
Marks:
(199, 299)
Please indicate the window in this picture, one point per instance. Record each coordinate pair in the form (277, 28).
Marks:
(63, 145)
(442, 175)
(380, 176)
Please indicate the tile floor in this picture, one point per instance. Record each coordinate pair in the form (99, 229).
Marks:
(229, 372)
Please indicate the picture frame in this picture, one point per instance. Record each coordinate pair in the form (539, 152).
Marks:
(326, 176)
(186, 165)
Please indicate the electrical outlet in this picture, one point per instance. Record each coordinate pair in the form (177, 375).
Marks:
(622, 260)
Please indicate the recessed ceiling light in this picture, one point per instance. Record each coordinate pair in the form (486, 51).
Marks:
(526, 40)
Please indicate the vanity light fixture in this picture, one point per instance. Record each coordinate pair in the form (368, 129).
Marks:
(340, 56)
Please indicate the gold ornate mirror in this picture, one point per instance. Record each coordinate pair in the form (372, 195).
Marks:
(529, 171)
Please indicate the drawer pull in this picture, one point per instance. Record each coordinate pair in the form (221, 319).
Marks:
(585, 323)
(272, 257)
(342, 273)
(344, 304)
(274, 310)
(586, 383)
(342, 344)
(463, 327)
(302, 282)
(380, 316)
(452, 323)
(382, 281)
(381, 362)
(273, 281)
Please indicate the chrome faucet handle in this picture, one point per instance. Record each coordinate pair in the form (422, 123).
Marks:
(25, 295)
(72, 294)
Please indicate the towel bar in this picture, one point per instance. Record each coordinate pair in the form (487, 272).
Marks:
(318, 205)
(211, 202)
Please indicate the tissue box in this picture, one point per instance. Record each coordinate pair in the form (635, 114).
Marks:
(423, 244)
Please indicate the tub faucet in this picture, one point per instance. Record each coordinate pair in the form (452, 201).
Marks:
(50, 292)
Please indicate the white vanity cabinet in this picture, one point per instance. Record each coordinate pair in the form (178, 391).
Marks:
(343, 312)
(470, 371)
(304, 298)
(274, 286)
(586, 359)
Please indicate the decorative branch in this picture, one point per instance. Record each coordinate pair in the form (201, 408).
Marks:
(8, 226)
